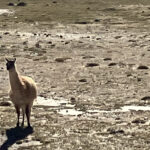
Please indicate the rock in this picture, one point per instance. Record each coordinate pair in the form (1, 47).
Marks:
(142, 67)
(5, 104)
(88, 57)
(97, 20)
(139, 79)
(107, 59)
(60, 59)
(49, 42)
(67, 42)
(11, 4)
(54, 2)
(112, 64)
(81, 22)
(118, 37)
(145, 98)
(25, 42)
(73, 100)
(82, 80)
(98, 38)
(138, 121)
(92, 64)
(6, 33)
(53, 45)
(22, 4)
(132, 41)
(37, 45)
(113, 131)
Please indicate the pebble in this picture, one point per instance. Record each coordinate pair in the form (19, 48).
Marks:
(11, 4)
(73, 100)
(142, 67)
(88, 57)
(5, 104)
(92, 64)
(112, 64)
(145, 98)
(81, 22)
(137, 121)
(107, 59)
(60, 59)
(37, 45)
(82, 80)
(113, 131)
(22, 4)
(97, 20)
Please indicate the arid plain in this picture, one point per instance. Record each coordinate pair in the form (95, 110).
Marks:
(91, 63)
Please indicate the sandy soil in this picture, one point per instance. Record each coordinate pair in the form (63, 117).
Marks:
(90, 61)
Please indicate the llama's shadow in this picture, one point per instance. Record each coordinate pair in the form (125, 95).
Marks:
(15, 134)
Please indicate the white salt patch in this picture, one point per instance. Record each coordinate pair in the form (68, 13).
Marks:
(5, 11)
(41, 101)
(136, 108)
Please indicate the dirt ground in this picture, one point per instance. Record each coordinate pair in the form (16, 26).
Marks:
(90, 59)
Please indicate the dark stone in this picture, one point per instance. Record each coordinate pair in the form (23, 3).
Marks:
(113, 131)
(11, 4)
(132, 41)
(88, 57)
(37, 45)
(73, 100)
(67, 43)
(82, 80)
(54, 2)
(22, 4)
(112, 64)
(138, 121)
(139, 79)
(118, 37)
(61, 36)
(107, 59)
(81, 22)
(25, 43)
(6, 33)
(142, 67)
(92, 64)
(5, 104)
(49, 42)
(60, 59)
(97, 20)
(53, 45)
(145, 98)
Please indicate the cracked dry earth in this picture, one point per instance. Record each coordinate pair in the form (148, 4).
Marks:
(92, 77)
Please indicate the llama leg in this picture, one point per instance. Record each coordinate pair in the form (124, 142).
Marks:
(23, 113)
(18, 114)
(28, 112)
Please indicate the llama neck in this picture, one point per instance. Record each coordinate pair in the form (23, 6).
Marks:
(14, 78)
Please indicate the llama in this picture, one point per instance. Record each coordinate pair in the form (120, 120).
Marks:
(22, 93)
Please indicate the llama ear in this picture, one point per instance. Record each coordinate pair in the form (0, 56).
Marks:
(14, 59)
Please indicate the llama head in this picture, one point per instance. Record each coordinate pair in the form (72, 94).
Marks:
(10, 63)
